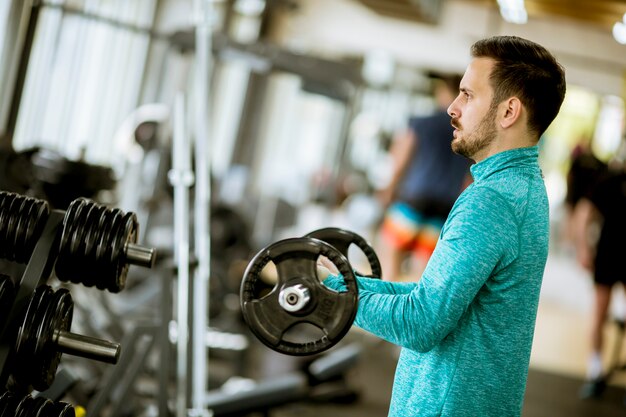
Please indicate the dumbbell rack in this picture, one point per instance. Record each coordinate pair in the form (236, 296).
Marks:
(40, 237)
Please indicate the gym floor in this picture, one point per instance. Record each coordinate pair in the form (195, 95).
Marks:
(548, 394)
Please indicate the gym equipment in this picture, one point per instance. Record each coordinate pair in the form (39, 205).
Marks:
(34, 329)
(342, 239)
(322, 379)
(98, 244)
(44, 335)
(12, 405)
(61, 180)
(298, 297)
(22, 220)
(16, 170)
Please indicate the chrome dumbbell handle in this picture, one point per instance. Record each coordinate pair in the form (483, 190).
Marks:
(86, 347)
(140, 255)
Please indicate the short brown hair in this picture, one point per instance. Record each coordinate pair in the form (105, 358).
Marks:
(528, 71)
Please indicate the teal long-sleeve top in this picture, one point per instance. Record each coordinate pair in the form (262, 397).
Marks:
(466, 327)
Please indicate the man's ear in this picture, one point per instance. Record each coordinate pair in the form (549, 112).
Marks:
(512, 111)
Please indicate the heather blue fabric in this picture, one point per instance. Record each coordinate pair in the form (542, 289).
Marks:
(466, 327)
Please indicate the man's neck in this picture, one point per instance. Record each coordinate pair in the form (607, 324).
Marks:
(503, 144)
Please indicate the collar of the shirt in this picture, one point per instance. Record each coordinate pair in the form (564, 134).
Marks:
(519, 157)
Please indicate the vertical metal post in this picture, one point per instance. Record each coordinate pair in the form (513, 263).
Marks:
(20, 72)
(203, 13)
(181, 177)
(165, 348)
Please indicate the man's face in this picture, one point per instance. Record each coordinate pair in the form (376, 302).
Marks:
(473, 115)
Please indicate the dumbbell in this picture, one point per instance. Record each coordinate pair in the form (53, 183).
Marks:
(98, 244)
(44, 334)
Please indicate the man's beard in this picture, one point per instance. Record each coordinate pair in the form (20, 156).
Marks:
(479, 139)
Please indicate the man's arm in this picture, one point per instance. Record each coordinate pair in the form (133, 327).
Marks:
(481, 237)
(401, 152)
(372, 285)
(586, 217)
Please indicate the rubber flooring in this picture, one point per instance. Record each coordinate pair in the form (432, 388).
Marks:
(547, 394)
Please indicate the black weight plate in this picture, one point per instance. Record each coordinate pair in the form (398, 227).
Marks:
(330, 311)
(8, 404)
(26, 407)
(82, 249)
(5, 201)
(24, 369)
(341, 239)
(43, 332)
(93, 226)
(34, 220)
(77, 240)
(41, 407)
(104, 250)
(63, 266)
(85, 259)
(10, 225)
(39, 213)
(62, 409)
(124, 233)
(96, 236)
(6, 296)
(20, 237)
(112, 251)
(58, 316)
(101, 244)
(36, 358)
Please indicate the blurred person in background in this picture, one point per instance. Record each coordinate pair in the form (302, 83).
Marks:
(584, 171)
(600, 230)
(427, 178)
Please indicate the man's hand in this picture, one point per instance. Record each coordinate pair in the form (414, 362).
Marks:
(325, 268)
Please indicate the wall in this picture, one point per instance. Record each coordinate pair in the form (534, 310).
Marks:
(591, 56)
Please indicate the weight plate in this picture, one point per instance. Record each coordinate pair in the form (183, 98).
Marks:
(57, 316)
(93, 245)
(64, 265)
(331, 312)
(342, 239)
(41, 407)
(24, 369)
(62, 409)
(26, 407)
(8, 404)
(95, 223)
(6, 297)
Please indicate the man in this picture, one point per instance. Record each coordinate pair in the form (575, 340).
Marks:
(427, 179)
(466, 327)
(602, 208)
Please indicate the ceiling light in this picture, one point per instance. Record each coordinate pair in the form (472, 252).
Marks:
(619, 32)
(513, 11)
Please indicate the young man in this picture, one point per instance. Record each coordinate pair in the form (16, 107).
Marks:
(466, 327)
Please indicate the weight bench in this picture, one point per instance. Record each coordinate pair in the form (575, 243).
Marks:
(292, 387)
